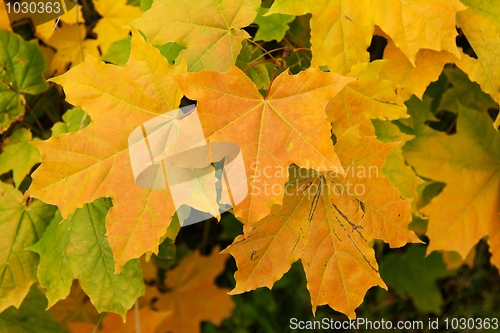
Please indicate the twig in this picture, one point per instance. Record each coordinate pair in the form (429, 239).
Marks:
(263, 49)
(258, 63)
(137, 319)
(36, 119)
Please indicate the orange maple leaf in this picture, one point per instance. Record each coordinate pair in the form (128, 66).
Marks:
(333, 242)
(191, 294)
(288, 126)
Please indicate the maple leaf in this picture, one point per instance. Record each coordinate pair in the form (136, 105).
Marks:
(68, 248)
(272, 27)
(192, 293)
(412, 77)
(369, 97)
(419, 24)
(481, 25)
(21, 67)
(71, 46)
(116, 15)
(73, 120)
(22, 226)
(332, 242)
(414, 274)
(210, 30)
(45, 30)
(149, 320)
(464, 92)
(469, 163)
(30, 314)
(288, 126)
(119, 52)
(339, 28)
(453, 260)
(80, 167)
(399, 174)
(18, 155)
(340, 32)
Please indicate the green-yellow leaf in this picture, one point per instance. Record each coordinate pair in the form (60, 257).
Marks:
(72, 120)
(481, 25)
(395, 169)
(463, 92)
(210, 30)
(469, 163)
(77, 248)
(77, 168)
(21, 66)
(20, 226)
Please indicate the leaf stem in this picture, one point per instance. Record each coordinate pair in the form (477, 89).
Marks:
(98, 322)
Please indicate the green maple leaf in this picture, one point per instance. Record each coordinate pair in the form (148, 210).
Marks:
(18, 155)
(30, 317)
(72, 120)
(21, 226)
(21, 66)
(119, 52)
(272, 27)
(78, 248)
(258, 73)
(414, 274)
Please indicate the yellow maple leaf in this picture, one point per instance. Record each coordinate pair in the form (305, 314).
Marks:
(469, 163)
(419, 24)
(192, 295)
(210, 30)
(369, 97)
(116, 15)
(288, 126)
(82, 166)
(344, 214)
(45, 30)
(413, 79)
(340, 32)
(71, 46)
(481, 25)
